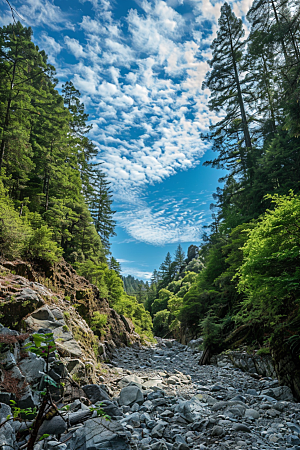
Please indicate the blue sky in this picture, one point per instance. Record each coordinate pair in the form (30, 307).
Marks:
(139, 65)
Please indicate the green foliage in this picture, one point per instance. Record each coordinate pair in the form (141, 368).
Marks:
(263, 351)
(211, 330)
(41, 246)
(270, 274)
(98, 322)
(161, 322)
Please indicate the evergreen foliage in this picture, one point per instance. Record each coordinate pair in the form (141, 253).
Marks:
(247, 284)
(54, 200)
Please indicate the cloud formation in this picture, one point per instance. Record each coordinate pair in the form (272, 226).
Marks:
(140, 76)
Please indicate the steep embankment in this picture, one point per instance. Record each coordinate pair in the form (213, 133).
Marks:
(56, 298)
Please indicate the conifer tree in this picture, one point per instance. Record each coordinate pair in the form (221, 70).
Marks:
(179, 258)
(231, 135)
(100, 202)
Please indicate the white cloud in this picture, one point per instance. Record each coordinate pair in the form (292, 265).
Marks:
(44, 13)
(137, 273)
(141, 77)
(75, 47)
(51, 47)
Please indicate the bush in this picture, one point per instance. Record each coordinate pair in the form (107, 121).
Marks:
(98, 322)
(270, 273)
(40, 245)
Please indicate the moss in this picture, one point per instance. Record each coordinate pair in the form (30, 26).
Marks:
(264, 351)
(65, 328)
(87, 340)
(76, 378)
(66, 315)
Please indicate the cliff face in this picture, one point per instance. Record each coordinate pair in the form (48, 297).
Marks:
(57, 299)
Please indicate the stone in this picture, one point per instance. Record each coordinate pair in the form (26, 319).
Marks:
(111, 409)
(133, 420)
(195, 343)
(54, 426)
(241, 427)
(252, 413)
(32, 368)
(7, 360)
(217, 431)
(252, 392)
(55, 445)
(5, 397)
(206, 398)
(280, 393)
(158, 430)
(79, 416)
(95, 393)
(131, 394)
(130, 379)
(5, 411)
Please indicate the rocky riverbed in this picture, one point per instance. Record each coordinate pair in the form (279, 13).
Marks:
(181, 405)
(159, 398)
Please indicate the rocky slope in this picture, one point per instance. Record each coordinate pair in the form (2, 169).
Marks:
(56, 298)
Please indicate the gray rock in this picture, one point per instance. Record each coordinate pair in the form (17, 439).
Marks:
(54, 426)
(111, 409)
(95, 393)
(195, 343)
(32, 367)
(55, 445)
(133, 420)
(7, 360)
(130, 379)
(6, 397)
(7, 437)
(217, 431)
(78, 416)
(5, 411)
(241, 427)
(131, 394)
(252, 413)
(158, 430)
(252, 392)
(279, 393)
(97, 434)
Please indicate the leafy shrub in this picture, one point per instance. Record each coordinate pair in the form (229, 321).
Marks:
(98, 322)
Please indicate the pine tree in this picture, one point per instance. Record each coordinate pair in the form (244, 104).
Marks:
(100, 202)
(231, 135)
(179, 259)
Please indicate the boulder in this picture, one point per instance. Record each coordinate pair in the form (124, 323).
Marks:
(31, 367)
(130, 379)
(95, 393)
(97, 434)
(283, 393)
(131, 394)
(55, 426)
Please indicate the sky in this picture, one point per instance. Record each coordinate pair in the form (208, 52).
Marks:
(140, 65)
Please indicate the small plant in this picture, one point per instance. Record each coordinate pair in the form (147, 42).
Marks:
(98, 322)
(67, 298)
(76, 378)
(263, 351)
(66, 315)
(65, 328)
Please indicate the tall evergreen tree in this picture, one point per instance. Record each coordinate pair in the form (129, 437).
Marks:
(179, 259)
(231, 135)
(100, 202)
